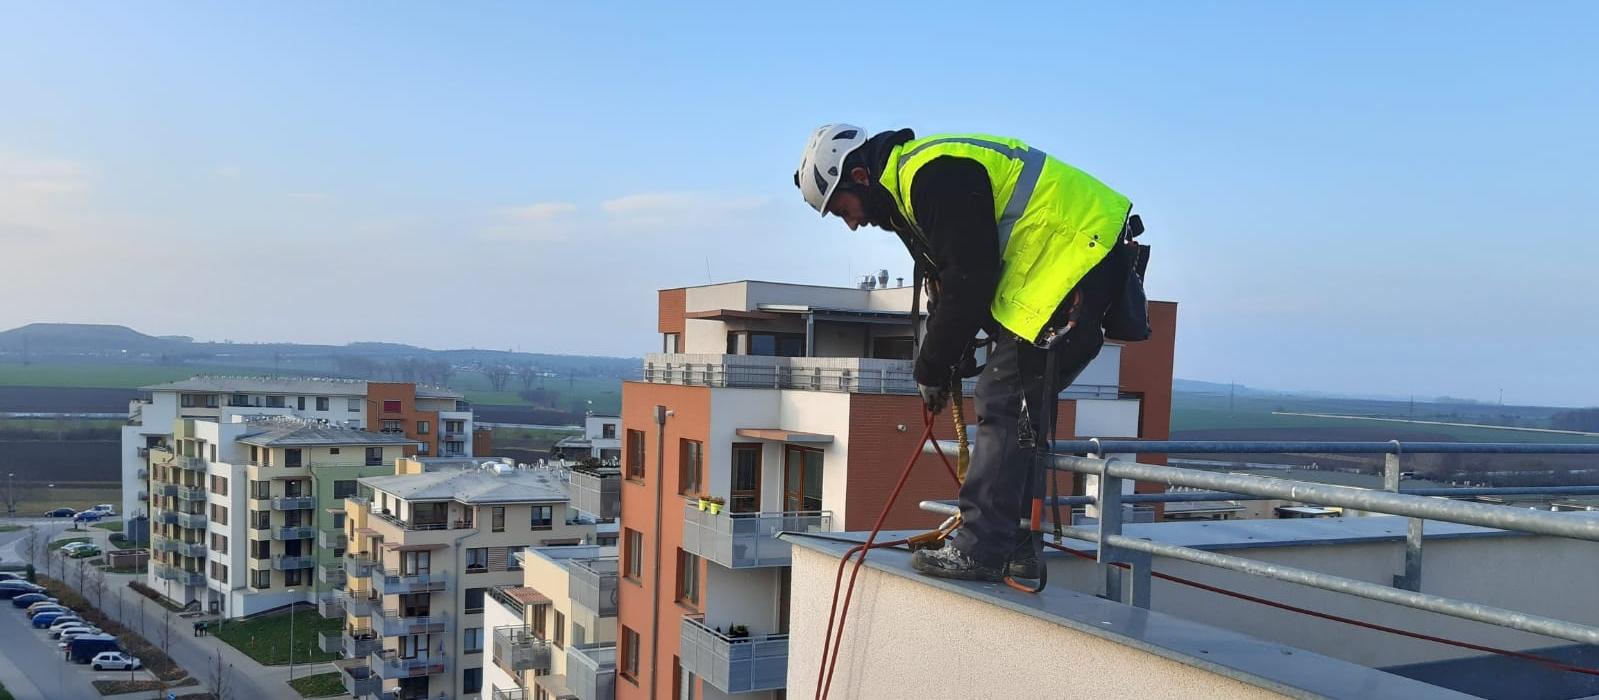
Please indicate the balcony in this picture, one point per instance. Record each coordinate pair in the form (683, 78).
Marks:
(391, 624)
(191, 493)
(359, 565)
(746, 540)
(193, 521)
(173, 573)
(517, 650)
(358, 678)
(188, 549)
(357, 643)
(331, 574)
(389, 665)
(596, 491)
(144, 495)
(359, 602)
(512, 694)
(293, 503)
(592, 584)
(329, 605)
(165, 517)
(142, 473)
(193, 464)
(399, 584)
(294, 532)
(167, 490)
(734, 665)
(144, 453)
(290, 562)
(330, 641)
(591, 670)
(332, 539)
(418, 526)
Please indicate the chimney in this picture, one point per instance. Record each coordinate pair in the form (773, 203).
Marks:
(882, 278)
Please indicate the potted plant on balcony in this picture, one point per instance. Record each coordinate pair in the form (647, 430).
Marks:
(705, 503)
(738, 632)
(715, 504)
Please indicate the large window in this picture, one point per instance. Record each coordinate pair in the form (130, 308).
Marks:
(321, 403)
(688, 578)
(474, 600)
(768, 344)
(635, 454)
(472, 640)
(802, 479)
(497, 519)
(629, 653)
(391, 407)
(608, 431)
(344, 488)
(543, 517)
(292, 457)
(690, 467)
(472, 679)
(374, 456)
(745, 496)
(632, 554)
(275, 402)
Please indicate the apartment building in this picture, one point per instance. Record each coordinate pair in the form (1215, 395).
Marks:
(435, 421)
(554, 635)
(601, 439)
(425, 548)
(235, 521)
(793, 406)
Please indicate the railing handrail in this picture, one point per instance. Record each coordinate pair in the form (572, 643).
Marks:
(1101, 446)
(698, 620)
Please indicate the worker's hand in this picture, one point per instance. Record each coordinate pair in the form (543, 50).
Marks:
(933, 397)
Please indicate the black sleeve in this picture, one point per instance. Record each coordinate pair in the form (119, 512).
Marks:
(954, 204)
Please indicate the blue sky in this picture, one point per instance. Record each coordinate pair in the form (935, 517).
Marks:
(1359, 197)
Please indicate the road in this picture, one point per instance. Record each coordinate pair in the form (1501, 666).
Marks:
(21, 647)
(247, 678)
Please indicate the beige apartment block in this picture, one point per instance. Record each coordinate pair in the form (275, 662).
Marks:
(554, 636)
(425, 549)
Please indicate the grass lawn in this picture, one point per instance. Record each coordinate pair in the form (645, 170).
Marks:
(266, 639)
(320, 685)
(112, 525)
(12, 528)
(103, 376)
(58, 544)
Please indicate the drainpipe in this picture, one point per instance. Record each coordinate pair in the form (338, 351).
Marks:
(660, 492)
(455, 634)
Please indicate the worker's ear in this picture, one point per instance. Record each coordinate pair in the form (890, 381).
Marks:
(860, 176)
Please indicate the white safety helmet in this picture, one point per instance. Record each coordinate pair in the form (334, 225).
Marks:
(823, 163)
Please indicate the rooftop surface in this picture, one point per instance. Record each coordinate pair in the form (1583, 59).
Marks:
(474, 486)
(293, 433)
(289, 385)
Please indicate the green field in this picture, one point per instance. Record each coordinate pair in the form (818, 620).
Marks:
(102, 376)
(266, 639)
(34, 499)
(321, 685)
(1187, 417)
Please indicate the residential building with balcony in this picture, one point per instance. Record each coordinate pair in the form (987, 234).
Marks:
(791, 406)
(239, 523)
(425, 548)
(554, 635)
(436, 421)
(601, 440)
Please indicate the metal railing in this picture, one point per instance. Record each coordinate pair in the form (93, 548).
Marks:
(389, 664)
(392, 624)
(183, 576)
(163, 489)
(517, 608)
(332, 539)
(330, 641)
(193, 464)
(517, 649)
(403, 524)
(193, 521)
(358, 678)
(359, 642)
(591, 670)
(359, 601)
(734, 664)
(293, 561)
(191, 493)
(388, 583)
(188, 549)
(359, 564)
(329, 605)
(332, 574)
(1136, 554)
(294, 532)
(293, 502)
(164, 517)
(592, 584)
(746, 540)
(597, 494)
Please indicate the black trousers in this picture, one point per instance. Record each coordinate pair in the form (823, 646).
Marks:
(993, 500)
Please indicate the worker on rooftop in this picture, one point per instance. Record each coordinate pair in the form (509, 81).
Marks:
(1012, 243)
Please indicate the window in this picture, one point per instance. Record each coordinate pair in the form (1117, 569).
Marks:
(688, 578)
(260, 549)
(669, 342)
(333, 450)
(769, 344)
(422, 427)
(291, 577)
(560, 630)
(260, 489)
(291, 457)
(497, 519)
(219, 544)
(394, 427)
(219, 485)
(219, 572)
(354, 405)
(540, 613)
(477, 559)
(299, 403)
(374, 456)
(219, 514)
(338, 520)
(211, 401)
(474, 600)
(239, 400)
(745, 496)
(689, 467)
(260, 519)
(416, 563)
(261, 578)
(630, 654)
(344, 488)
(513, 557)
(632, 554)
(187, 400)
(275, 402)
(802, 479)
(472, 680)
(391, 407)
(472, 641)
(543, 517)
(682, 681)
(422, 448)
(255, 454)
(321, 403)
(608, 431)
(213, 453)
(635, 454)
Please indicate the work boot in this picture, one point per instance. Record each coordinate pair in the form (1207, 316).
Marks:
(1024, 559)
(949, 562)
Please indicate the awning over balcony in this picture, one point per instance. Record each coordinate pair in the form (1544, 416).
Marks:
(526, 595)
(398, 547)
(555, 686)
(731, 315)
(782, 435)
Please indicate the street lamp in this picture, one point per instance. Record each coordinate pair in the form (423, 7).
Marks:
(11, 494)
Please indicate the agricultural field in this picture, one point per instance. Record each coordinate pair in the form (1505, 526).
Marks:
(34, 498)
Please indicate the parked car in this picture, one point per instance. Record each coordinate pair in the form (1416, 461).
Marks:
(113, 660)
(105, 509)
(87, 550)
(26, 599)
(60, 513)
(43, 620)
(11, 576)
(12, 589)
(65, 621)
(88, 516)
(64, 633)
(37, 608)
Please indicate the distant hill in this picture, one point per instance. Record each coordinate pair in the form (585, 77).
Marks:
(75, 338)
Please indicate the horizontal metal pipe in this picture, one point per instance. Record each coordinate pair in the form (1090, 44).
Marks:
(1501, 517)
(1535, 624)
(1293, 447)
(1443, 491)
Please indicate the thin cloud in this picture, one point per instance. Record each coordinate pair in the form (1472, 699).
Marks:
(538, 212)
(650, 204)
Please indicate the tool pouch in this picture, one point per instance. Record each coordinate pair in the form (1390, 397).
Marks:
(1127, 317)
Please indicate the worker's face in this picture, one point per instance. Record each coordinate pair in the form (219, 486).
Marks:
(847, 204)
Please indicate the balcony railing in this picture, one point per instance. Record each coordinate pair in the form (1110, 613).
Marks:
(193, 464)
(591, 670)
(173, 573)
(188, 549)
(359, 601)
(293, 502)
(329, 605)
(332, 539)
(144, 453)
(331, 574)
(516, 649)
(144, 495)
(293, 561)
(416, 526)
(165, 517)
(592, 584)
(358, 678)
(392, 624)
(193, 521)
(143, 473)
(398, 584)
(167, 490)
(746, 540)
(359, 565)
(597, 494)
(511, 694)
(191, 493)
(389, 665)
(330, 641)
(740, 665)
(294, 532)
(360, 642)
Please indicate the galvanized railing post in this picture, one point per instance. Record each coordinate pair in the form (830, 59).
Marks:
(1130, 585)
(1392, 475)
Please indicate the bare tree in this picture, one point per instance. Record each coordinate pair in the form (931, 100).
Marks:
(33, 545)
(527, 374)
(94, 585)
(166, 634)
(221, 674)
(442, 371)
(142, 601)
(498, 375)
